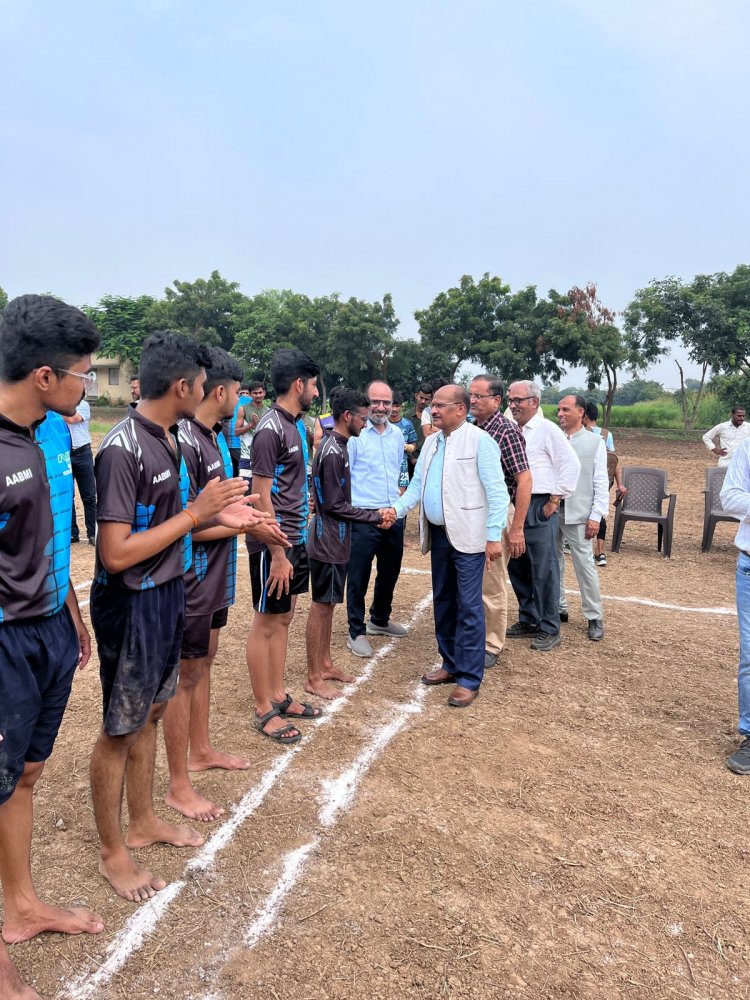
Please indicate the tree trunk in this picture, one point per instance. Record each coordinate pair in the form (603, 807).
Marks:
(609, 398)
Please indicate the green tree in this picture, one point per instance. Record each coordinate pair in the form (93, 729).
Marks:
(3, 298)
(638, 391)
(204, 309)
(124, 324)
(262, 324)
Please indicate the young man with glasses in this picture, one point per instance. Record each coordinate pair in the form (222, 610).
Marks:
(82, 461)
(375, 461)
(329, 537)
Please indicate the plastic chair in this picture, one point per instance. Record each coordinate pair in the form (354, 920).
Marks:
(713, 511)
(647, 491)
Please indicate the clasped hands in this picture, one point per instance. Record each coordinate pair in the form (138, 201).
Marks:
(387, 518)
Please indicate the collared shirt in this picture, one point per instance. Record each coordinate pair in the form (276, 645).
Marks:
(507, 434)
(553, 463)
(280, 454)
(375, 463)
(36, 499)
(211, 580)
(497, 497)
(79, 433)
(329, 538)
(729, 437)
(142, 480)
(735, 493)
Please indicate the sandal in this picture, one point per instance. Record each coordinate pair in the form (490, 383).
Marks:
(282, 707)
(278, 735)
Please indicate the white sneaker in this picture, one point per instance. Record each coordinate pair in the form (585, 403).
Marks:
(392, 628)
(601, 559)
(359, 646)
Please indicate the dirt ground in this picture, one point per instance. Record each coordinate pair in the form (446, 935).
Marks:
(574, 834)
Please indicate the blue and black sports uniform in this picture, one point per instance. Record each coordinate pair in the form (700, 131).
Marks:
(38, 642)
(138, 615)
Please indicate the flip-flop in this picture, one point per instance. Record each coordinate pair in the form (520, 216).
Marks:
(278, 736)
(282, 707)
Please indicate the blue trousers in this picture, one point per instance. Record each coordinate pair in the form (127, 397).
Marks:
(459, 612)
(743, 620)
(535, 575)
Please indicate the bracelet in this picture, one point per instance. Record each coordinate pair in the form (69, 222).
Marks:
(192, 516)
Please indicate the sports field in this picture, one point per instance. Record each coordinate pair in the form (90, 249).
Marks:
(573, 834)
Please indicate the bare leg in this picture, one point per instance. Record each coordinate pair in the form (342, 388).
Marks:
(145, 827)
(11, 985)
(181, 795)
(25, 914)
(202, 756)
(108, 763)
(266, 659)
(318, 635)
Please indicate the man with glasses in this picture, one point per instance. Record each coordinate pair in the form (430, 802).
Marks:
(82, 462)
(329, 536)
(375, 463)
(535, 573)
(486, 396)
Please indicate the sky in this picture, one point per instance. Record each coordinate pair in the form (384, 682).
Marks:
(372, 148)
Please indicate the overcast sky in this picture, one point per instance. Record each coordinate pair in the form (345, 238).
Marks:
(336, 146)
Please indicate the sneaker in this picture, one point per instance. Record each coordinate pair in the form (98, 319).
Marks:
(521, 630)
(392, 628)
(490, 659)
(601, 559)
(739, 762)
(359, 646)
(596, 629)
(92, 540)
(544, 642)
(564, 616)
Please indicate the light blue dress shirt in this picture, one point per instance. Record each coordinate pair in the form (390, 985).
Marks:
(79, 433)
(735, 493)
(375, 464)
(489, 469)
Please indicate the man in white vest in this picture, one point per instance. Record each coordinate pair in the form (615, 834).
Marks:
(581, 513)
(458, 480)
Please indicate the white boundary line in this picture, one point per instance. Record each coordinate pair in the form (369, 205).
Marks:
(142, 923)
(658, 604)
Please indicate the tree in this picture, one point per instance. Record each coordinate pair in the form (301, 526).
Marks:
(361, 342)
(262, 325)
(520, 346)
(204, 309)
(124, 324)
(3, 299)
(638, 391)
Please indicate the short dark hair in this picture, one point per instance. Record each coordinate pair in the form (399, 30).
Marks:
(736, 408)
(592, 410)
(581, 404)
(38, 330)
(398, 399)
(438, 383)
(168, 356)
(221, 369)
(289, 364)
(343, 399)
(495, 386)
(134, 378)
(425, 388)
(252, 386)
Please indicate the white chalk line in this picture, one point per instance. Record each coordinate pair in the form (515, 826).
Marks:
(266, 917)
(666, 607)
(137, 928)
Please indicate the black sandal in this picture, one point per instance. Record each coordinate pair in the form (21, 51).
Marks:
(282, 707)
(278, 735)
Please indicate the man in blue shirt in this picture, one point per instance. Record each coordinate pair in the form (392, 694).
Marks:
(82, 462)
(375, 462)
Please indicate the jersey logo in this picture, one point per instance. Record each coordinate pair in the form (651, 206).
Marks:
(295, 447)
(214, 465)
(167, 474)
(19, 477)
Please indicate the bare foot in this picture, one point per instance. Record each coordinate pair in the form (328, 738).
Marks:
(215, 758)
(128, 879)
(334, 674)
(161, 832)
(193, 805)
(22, 926)
(322, 689)
(12, 986)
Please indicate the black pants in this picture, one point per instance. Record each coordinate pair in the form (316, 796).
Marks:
(535, 575)
(82, 462)
(368, 543)
(234, 454)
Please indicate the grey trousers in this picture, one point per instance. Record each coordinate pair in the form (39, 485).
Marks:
(585, 569)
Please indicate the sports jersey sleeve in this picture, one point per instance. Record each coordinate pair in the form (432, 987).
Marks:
(193, 468)
(265, 452)
(117, 476)
(330, 497)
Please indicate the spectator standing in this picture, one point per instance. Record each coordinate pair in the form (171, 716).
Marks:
(486, 398)
(590, 423)
(535, 575)
(422, 400)
(246, 419)
(410, 438)
(375, 465)
(730, 433)
(234, 443)
(82, 462)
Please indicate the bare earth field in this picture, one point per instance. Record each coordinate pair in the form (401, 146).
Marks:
(573, 834)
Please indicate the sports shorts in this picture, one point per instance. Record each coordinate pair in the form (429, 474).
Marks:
(38, 659)
(328, 581)
(260, 564)
(196, 635)
(139, 635)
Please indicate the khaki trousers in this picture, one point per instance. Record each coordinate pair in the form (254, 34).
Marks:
(495, 597)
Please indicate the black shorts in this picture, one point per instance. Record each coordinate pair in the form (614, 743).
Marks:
(196, 635)
(38, 659)
(328, 581)
(260, 563)
(139, 634)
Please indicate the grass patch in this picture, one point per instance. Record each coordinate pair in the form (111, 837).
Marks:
(661, 414)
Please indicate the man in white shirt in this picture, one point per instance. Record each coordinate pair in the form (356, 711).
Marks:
(730, 434)
(581, 513)
(535, 575)
(82, 463)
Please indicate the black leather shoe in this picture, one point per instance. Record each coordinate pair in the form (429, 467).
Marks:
(543, 643)
(521, 630)
(596, 629)
(564, 616)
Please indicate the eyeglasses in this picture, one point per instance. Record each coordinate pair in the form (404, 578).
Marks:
(442, 406)
(515, 400)
(359, 416)
(88, 377)
(381, 402)
(483, 395)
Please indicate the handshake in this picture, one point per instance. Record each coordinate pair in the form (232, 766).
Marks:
(387, 517)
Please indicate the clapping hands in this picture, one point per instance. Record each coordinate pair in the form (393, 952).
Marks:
(387, 518)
